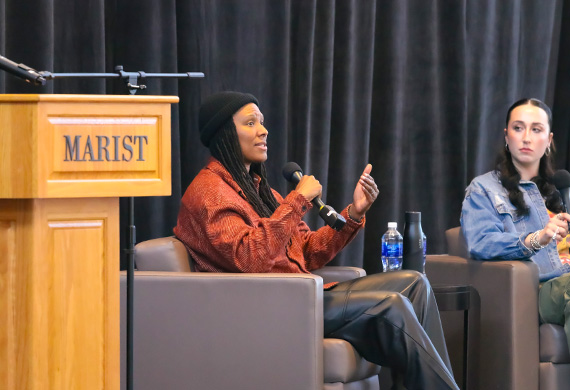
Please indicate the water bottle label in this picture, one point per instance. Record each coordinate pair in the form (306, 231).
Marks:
(393, 250)
(392, 256)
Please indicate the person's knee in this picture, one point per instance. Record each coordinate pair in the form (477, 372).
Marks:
(416, 279)
(395, 308)
(397, 302)
(412, 275)
(405, 276)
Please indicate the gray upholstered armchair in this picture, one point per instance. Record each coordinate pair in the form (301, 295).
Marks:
(218, 331)
(516, 352)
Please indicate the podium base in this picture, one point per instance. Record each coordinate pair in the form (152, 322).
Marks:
(59, 293)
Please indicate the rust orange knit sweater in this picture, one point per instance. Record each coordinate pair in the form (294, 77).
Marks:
(223, 233)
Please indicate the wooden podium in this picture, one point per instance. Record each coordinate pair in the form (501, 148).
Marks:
(64, 162)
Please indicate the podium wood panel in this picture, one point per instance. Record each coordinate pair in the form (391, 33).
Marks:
(59, 293)
(65, 146)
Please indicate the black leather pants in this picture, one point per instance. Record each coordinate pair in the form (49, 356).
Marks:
(392, 320)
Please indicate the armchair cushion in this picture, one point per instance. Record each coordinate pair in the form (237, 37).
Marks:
(456, 244)
(343, 364)
(553, 344)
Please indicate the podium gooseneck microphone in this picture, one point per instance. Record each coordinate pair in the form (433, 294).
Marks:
(293, 173)
(22, 71)
(561, 180)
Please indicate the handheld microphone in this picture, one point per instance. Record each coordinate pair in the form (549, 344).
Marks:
(561, 180)
(293, 173)
(22, 71)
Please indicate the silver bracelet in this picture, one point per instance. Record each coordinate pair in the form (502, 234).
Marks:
(534, 243)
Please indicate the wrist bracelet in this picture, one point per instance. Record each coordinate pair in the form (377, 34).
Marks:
(348, 212)
(534, 243)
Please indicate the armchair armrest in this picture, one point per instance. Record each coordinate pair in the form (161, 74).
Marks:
(224, 331)
(509, 357)
(339, 274)
(162, 254)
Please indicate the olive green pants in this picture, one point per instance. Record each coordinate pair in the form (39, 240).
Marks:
(554, 303)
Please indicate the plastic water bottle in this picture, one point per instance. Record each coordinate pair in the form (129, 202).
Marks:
(392, 248)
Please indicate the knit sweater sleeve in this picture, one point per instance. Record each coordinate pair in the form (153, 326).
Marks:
(322, 245)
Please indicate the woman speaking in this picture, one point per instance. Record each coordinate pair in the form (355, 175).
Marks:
(231, 220)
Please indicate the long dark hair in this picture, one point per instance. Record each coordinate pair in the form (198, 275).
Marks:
(225, 147)
(510, 177)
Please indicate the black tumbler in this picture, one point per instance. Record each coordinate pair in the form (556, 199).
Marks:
(413, 257)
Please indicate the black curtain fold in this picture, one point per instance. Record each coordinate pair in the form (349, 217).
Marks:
(561, 91)
(417, 88)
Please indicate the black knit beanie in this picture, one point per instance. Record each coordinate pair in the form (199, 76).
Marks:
(216, 109)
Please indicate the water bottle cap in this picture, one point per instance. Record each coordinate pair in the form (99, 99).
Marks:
(392, 225)
(413, 216)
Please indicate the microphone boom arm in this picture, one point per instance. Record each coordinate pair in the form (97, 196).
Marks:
(131, 79)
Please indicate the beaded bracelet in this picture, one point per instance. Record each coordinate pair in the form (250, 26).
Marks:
(348, 212)
(534, 243)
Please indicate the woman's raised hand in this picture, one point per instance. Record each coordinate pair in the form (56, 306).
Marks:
(365, 194)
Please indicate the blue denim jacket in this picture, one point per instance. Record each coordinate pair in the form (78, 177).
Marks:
(493, 231)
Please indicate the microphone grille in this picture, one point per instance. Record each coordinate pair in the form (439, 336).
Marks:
(289, 169)
(561, 179)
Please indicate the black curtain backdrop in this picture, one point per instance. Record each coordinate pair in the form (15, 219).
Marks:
(418, 88)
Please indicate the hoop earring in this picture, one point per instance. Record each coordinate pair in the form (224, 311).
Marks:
(507, 147)
(547, 152)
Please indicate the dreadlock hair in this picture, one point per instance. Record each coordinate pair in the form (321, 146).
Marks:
(510, 177)
(225, 147)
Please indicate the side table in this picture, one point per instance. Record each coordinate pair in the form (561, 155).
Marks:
(465, 298)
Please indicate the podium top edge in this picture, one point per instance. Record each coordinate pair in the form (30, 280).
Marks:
(87, 98)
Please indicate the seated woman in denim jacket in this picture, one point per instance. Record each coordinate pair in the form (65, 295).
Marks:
(515, 212)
